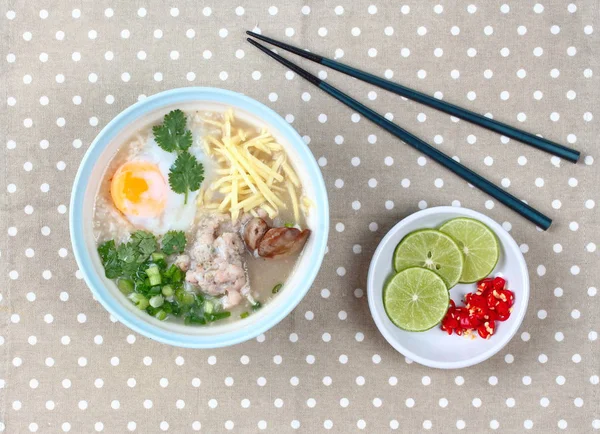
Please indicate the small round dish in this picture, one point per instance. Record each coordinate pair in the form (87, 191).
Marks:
(87, 182)
(434, 348)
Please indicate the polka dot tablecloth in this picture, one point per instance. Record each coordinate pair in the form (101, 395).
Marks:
(68, 68)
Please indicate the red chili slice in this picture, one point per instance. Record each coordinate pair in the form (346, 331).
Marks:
(484, 285)
(477, 305)
(505, 295)
(498, 283)
(502, 311)
(487, 329)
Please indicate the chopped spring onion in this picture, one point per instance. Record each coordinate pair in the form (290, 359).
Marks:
(139, 300)
(184, 297)
(157, 301)
(157, 256)
(219, 315)
(244, 315)
(257, 305)
(174, 274)
(154, 275)
(161, 315)
(168, 290)
(276, 288)
(194, 320)
(126, 286)
(208, 307)
(289, 225)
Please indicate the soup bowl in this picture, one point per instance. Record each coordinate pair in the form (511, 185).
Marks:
(88, 180)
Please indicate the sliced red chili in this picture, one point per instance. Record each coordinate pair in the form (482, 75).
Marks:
(476, 301)
(502, 311)
(498, 283)
(490, 303)
(505, 295)
(487, 329)
(484, 285)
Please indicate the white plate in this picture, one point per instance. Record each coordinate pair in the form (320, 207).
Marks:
(434, 347)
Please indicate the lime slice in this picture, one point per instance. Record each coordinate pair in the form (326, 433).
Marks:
(429, 248)
(416, 299)
(479, 245)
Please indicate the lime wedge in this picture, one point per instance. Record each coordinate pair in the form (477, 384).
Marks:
(429, 248)
(416, 299)
(479, 245)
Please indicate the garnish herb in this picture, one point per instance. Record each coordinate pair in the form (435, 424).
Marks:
(244, 315)
(172, 135)
(143, 275)
(289, 225)
(276, 288)
(173, 242)
(186, 174)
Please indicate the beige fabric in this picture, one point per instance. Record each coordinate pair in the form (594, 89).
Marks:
(67, 68)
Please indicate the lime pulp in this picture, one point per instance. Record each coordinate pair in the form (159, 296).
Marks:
(416, 299)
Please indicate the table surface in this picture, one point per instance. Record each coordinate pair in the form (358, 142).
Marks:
(68, 68)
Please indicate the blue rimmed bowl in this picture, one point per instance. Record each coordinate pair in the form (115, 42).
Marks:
(88, 180)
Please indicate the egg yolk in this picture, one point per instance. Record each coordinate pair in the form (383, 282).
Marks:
(138, 188)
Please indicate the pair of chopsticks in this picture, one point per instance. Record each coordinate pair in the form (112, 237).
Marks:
(467, 174)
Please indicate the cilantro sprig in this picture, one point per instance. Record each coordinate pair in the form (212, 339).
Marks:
(173, 242)
(187, 173)
(172, 135)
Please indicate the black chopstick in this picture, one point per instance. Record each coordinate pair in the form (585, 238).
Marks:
(468, 175)
(569, 154)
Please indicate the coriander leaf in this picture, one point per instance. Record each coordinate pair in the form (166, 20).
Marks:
(173, 242)
(127, 253)
(145, 243)
(107, 251)
(186, 174)
(110, 260)
(172, 134)
(185, 141)
(132, 269)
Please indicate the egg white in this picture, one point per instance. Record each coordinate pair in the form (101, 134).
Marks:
(176, 215)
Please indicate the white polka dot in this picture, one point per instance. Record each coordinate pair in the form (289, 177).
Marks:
(493, 380)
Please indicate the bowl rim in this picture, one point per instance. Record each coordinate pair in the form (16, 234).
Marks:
(378, 256)
(76, 227)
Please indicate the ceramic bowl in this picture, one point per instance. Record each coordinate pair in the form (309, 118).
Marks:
(88, 180)
(434, 347)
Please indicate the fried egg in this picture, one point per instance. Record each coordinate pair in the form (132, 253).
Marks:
(140, 191)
